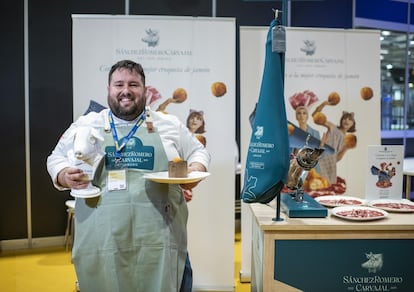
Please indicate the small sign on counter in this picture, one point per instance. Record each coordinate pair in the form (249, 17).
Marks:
(384, 173)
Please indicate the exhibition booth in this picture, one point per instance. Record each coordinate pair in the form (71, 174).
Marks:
(318, 234)
(345, 228)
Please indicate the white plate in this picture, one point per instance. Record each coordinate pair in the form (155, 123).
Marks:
(90, 192)
(162, 177)
(402, 206)
(359, 213)
(337, 200)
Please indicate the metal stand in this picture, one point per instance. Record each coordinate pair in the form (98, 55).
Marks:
(277, 218)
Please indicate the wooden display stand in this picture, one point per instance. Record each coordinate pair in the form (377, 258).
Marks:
(331, 230)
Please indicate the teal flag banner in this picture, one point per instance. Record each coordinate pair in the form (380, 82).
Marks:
(267, 162)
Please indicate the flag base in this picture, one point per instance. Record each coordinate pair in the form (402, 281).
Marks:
(307, 208)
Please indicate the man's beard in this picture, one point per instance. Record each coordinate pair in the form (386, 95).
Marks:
(127, 114)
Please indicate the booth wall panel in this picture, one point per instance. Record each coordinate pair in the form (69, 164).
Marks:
(12, 173)
(50, 91)
(171, 7)
(327, 13)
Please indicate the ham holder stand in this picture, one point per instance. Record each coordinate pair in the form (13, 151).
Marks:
(296, 203)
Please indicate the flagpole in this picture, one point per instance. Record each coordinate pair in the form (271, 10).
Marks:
(284, 14)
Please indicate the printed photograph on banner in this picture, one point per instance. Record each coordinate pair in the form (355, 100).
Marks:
(195, 120)
(332, 93)
(338, 133)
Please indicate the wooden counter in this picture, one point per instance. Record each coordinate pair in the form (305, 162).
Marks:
(266, 233)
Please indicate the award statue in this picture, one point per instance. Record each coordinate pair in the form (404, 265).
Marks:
(86, 155)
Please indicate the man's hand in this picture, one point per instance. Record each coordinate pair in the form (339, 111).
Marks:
(195, 166)
(72, 178)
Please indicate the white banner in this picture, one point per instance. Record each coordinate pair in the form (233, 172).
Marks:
(345, 62)
(318, 63)
(188, 55)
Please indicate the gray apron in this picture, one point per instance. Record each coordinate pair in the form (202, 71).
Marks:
(135, 239)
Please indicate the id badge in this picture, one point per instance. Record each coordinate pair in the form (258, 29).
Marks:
(116, 180)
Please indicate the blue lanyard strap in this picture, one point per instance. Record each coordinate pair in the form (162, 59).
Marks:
(118, 147)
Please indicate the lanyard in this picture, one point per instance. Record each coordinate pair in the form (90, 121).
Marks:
(118, 147)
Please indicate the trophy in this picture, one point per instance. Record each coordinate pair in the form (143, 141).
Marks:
(86, 155)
